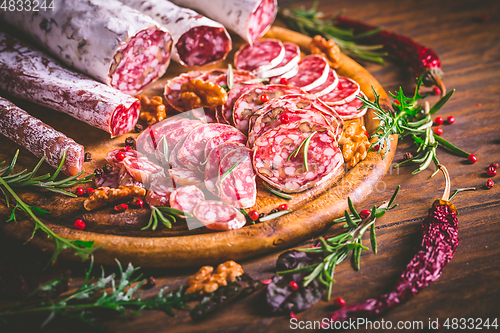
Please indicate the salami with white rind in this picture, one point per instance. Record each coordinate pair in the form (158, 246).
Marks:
(289, 62)
(182, 177)
(271, 152)
(159, 192)
(248, 18)
(216, 215)
(346, 91)
(327, 87)
(313, 72)
(197, 39)
(260, 56)
(186, 198)
(350, 110)
(225, 137)
(39, 138)
(247, 104)
(238, 188)
(31, 75)
(106, 40)
(143, 170)
(213, 162)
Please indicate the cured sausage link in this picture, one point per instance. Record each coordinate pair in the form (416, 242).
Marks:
(248, 18)
(31, 75)
(197, 39)
(106, 40)
(39, 138)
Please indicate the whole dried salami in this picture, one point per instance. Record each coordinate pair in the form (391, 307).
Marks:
(197, 39)
(159, 192)
(186, 198)
(238, 188)
(345, 92)
(31, 75)
(249, 18)
(352, 109)
(289, 62)
(39, 138)
(247, 104)
(107, 40)
(275, 164)
(313, 72)
(212, 165)
(260, 56)
(216, 215)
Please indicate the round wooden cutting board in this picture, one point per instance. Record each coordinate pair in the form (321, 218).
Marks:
(120, 234)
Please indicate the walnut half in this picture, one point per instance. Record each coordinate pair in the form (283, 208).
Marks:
(152, 110)
(104, 195)
(328, 49)
(206, 281)
(354, 144)
(203, 94)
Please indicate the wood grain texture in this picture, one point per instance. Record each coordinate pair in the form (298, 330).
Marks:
(470, 53)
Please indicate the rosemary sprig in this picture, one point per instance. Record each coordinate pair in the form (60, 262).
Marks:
(410, 119)
(305, 144)
(311, 22)
(165, 150)
(275, 215)
(333, 250)
(230, 77)
(165, 215)
(94, 295)
(277, 193)
(257, 80)
(229, 171)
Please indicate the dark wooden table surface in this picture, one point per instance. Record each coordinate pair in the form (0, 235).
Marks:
(469, 49)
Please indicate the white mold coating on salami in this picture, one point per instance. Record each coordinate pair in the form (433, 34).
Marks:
(216, 215)
(198, 40)
(39, 138)
(351, 110)
(107, 40)
(273, 149)
(213, 162)
(289, 62)
(346, 91)
(159, 192)
(248, 18)
(262, 55)
(331, 83)
(313, 72)
(247, 104)
(186, 198)
(238, 188)
(31, 75)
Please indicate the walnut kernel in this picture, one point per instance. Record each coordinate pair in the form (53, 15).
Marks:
(104, 195)
(152, 110)
(206, 281)
(354, 144)
(203, 94)
(328, 49)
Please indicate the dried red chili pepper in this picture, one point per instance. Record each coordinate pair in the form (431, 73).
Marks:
(403, 49)
(439, 243)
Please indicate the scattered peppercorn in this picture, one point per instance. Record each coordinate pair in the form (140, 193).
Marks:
(79, 224)
(89, 191)
(451, 119)
(283, 207)
(438, 120)
(495, 165)
(98, 172)
(479, 104)
(151, 282)
(284, 80)
(129, 141)
(107, 168)
(127, 148)
(266, 281)
(275, 210)
(139, 203)
(292, 315)
(254, 215)
(121, 207)
(491, 171)
(365, 213)
(87, 157)
(489, 183)
(436, 91)
(438, 131)
(79, 191)
(472, 158)
(264, 98)
(339, 301)
(294, 285)
(284, 118)
(407, 156)
(120, 156)
(261, 215)
(138, 128)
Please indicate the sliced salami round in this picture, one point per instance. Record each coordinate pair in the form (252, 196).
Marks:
(174, 163)
(236, 92)
(213, 162)
(327, 87)
(191, 154)
(143, 170)
(173, 137)
(159, 192)
(345, 92)
(186, 198)
(351, 110)
(227, 136)
(238, 188)
(313, 72)
(275, 164)
(172, 91)
(108, 179)
(216, 215)
(117, 161)
(247, 104)
(182, 177)
(289, 62)
(262, 55)
(125, 179)
(238, 76)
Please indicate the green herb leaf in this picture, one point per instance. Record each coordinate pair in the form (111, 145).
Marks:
(277, 193)
(230, 77)
(228, 172)
(165, 150)
(275, 215)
